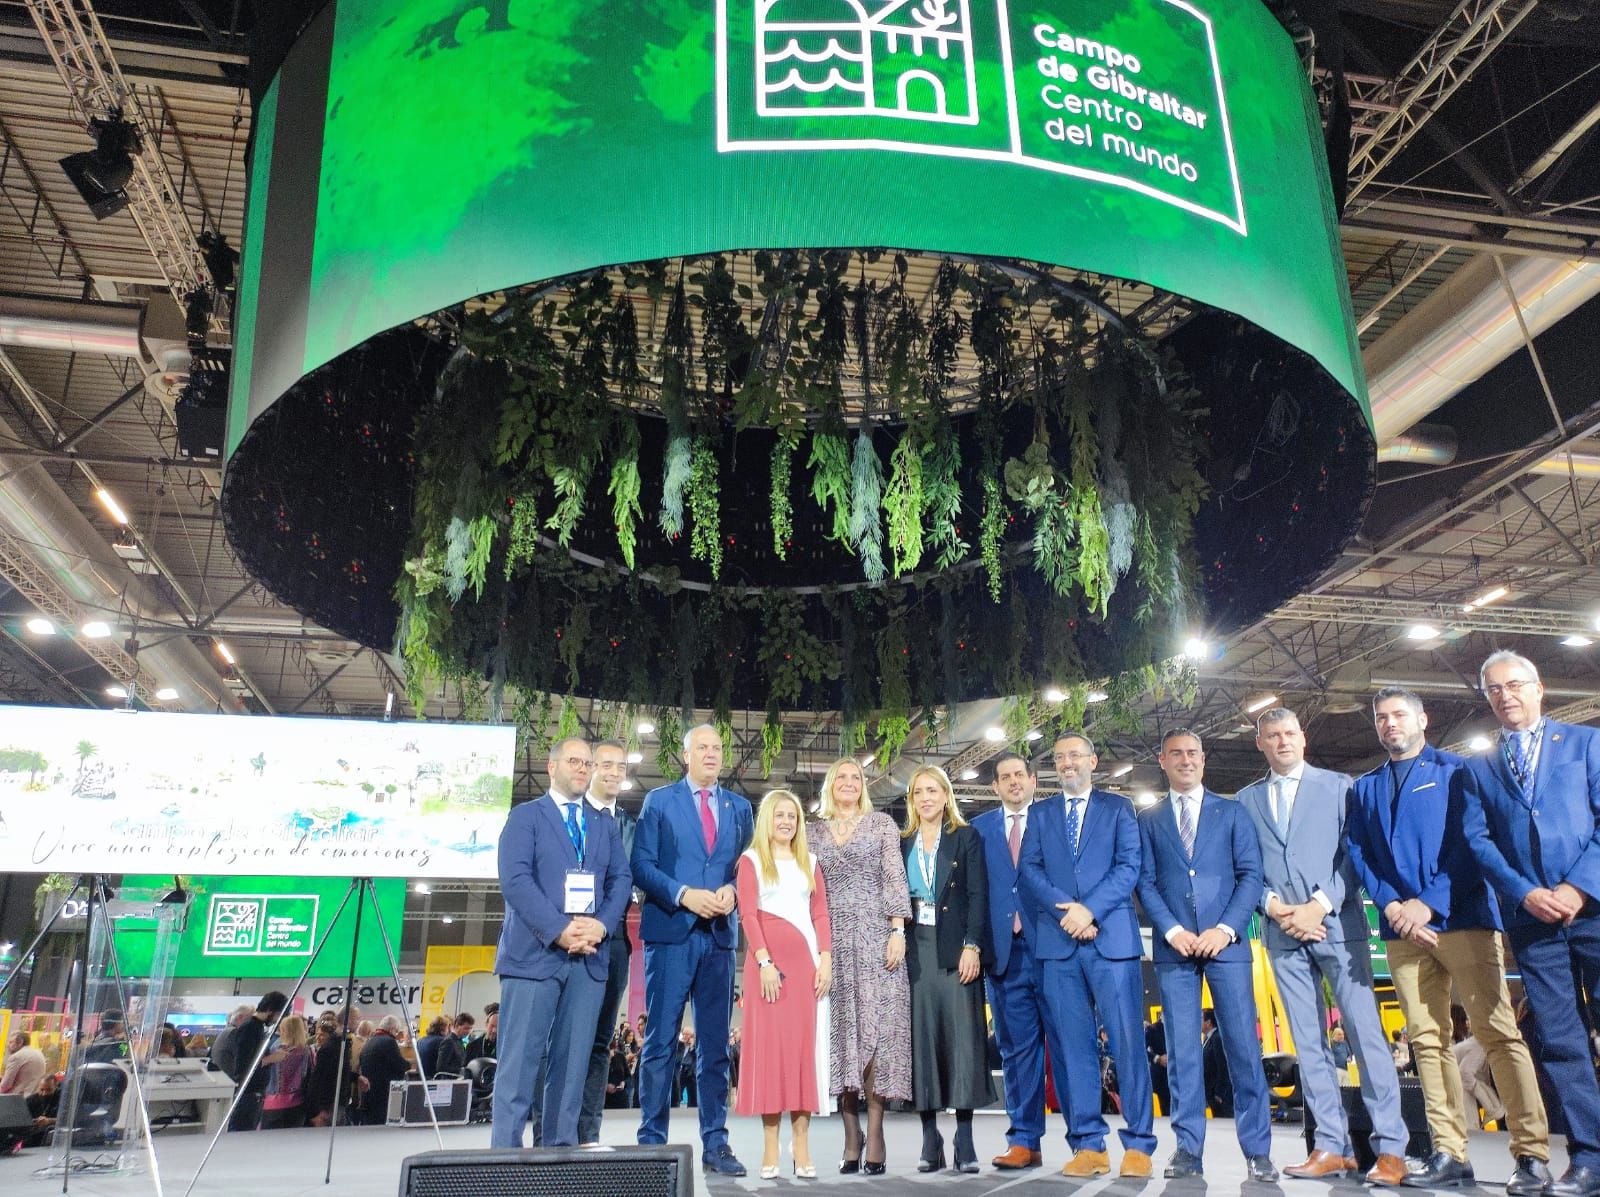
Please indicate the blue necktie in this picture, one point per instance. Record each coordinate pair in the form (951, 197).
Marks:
(1520, 745)
(575, 829)
(1072, 824)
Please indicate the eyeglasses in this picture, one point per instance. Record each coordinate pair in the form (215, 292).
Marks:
(579, 762)
(1514, 686)
(1074, 757)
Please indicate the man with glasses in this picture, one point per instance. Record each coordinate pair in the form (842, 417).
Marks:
(1532, 818)
(565, 880)
(685, 853)
(1442, 931)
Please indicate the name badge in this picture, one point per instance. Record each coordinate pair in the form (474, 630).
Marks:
(927, 914)
(579, 892)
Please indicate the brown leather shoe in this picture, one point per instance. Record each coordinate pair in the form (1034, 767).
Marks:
(1016, 1158)
(1136, 1163)
(1087, 1163)
(1323, 1163)
(1390, 1170)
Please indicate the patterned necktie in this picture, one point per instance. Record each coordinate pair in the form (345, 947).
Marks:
(708, 821)
(1519, 753)
(1185, 826)
(1072, 824)
(1280, 786)
(1014, 842)
(575, 830)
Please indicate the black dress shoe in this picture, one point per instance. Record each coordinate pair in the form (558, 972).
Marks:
(1441, 1171)
(851, 1167)
(873, 1167)
(723, 1162)
(1579, 1181)
(1260, 1168)
(1530, 1178)
(933, 1164)
(1183, 1163)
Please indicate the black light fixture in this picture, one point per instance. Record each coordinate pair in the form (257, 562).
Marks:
(101, 175)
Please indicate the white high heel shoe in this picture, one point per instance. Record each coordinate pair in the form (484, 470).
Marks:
(769, 1172)
(803, 1171)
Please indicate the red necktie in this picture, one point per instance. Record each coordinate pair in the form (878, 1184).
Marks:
(708, 822)
(1014, 842)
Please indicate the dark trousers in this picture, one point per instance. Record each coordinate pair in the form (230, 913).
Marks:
(674, 974)
(247, 1113)
(594, 1089)
(1021, 1024)
(1558, 965)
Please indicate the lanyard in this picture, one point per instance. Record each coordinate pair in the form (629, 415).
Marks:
(1533, 758)
(926, 864)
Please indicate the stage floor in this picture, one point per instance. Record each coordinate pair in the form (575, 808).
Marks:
(366, 1163)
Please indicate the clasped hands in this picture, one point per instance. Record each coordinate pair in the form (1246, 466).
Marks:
(1207, 945)
(582, 936)
(708, 903)
(1302, 921)
(1559, 905)
(1410, 918)
(1077, 921)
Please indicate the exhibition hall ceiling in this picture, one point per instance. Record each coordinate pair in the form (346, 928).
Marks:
(1474, 173)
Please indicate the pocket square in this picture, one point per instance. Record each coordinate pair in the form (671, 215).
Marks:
(1427, 785)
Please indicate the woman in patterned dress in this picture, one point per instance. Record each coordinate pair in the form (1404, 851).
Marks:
(864, 871)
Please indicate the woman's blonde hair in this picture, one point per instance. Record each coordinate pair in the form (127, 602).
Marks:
(952, 813)
(761, 841)
(293, 1032)
(825, 807)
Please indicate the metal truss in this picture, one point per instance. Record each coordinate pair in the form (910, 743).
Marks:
(27, 677)
(1392, 114)
(29, 581)
(1394, 613)
(82, 55)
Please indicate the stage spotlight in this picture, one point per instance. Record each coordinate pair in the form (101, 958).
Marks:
(1055, 694)
(1479, 743)
(969, 775)
(635, 758)
(1096, 696)
(995, 735)
(101, 175)
(96, 629)
(1196, 649)
(1421, 632)
(40, 626)
(645, 728)
(1034, 734)
(166, 694)
(116, 692)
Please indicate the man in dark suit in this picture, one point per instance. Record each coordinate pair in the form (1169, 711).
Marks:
(1200, 880)
(1532, 816)
(1020, 1016)
(566, 881)
(1316, 931)
(1442, 930)
(1080, 862)
(685, 853)
(1219, 1084)
(1155, 1050)
(605, 784)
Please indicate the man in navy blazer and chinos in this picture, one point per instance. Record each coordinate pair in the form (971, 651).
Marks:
(1080, 863)
(1532, 815)
(565, 880)
(685, 854)
(1200, 881)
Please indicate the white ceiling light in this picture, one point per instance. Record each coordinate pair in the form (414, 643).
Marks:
(1096, 696)
(994, 735)
(422, 887)
(1487, 597)
(1123, 769)
(116, 692)
(226, 654)
(96, 629)
(1055, 694)
(447, 920)
(645, 728)
(635, 758)
(627, 784)
(1478, 744)
(1260, 703)
(40, 626)
(1145, 798)
(1422, 631)
(1034, 734)
(113, 508)
(166, 694)
(1577, 641)
(969, 775)
(1196, 649)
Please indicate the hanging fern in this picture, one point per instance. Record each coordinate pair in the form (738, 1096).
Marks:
(894, 691)
(852, 736)
(568, 724)
(903, 503)
(676, 375)
(771, 740)
(1094, 551)
(674, 482)
(624, 489)
(782, 506)
(829, 464)
(866, 493)
(1054, 554)
(669, 751)
(705, 506)
(572, 636)
(524, 538)
(941, 486)
(992, 534)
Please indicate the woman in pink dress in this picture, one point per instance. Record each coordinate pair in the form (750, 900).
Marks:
(787, 972)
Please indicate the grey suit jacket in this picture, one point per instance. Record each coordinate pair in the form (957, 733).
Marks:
(1312, 857)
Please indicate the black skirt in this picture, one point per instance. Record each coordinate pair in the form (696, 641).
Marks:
(949, 1042)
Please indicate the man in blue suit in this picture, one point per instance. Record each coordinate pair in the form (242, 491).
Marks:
(1316, 931)
(685, 853)
(565, 881)
(1020, 1016)
(1199, 885)
(1080, 862)
(1443, 932)
(1532, 815)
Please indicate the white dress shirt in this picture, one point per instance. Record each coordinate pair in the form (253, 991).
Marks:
(1193, 800)
(1278, 791)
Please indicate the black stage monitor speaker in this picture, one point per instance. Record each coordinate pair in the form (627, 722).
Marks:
(1412, 1110)
(665, 1171)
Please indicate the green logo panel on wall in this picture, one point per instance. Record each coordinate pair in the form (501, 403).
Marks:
(267, 927)
(468, 147)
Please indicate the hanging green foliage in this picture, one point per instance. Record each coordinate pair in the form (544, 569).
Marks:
(866, 493)
(624, 490)
(852, 736)
(669, 751)
(942, 498)
(903, 503)
(524, 537)
(568, 724)
(894, 691)
(782, 508)
(829, 464)
(771, 740)
(705, 506)
(992, 534)
(676, 380)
